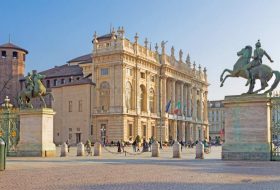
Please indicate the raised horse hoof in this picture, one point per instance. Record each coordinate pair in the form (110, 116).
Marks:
(221, 85)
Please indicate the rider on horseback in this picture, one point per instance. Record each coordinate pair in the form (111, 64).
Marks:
(29, 84)
(257, 60)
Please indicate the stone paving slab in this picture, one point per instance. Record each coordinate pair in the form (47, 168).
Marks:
(139, 172)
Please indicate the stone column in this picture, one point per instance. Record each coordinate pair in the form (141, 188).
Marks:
(194, 103)
(201, 105)
(186, 132)
(189, 100)
(205, 116)
(138, 90)
(173, 96)
(183, 127)
(182, 98)
(163, 95)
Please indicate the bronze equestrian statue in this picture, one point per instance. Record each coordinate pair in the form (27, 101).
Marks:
(33, 88)
(252, 70)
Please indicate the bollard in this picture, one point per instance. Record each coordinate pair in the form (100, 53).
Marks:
(3, 154)
(155, 149)
(97, 149)
(64, 150)
(199, 150)
(176, 150)
(80, 149)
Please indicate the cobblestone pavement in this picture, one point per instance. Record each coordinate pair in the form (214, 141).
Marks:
(141, 172)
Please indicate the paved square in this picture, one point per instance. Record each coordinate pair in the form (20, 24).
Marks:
(113, 171)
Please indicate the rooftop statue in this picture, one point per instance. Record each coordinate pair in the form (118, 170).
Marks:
(253, 69)
(33, 88)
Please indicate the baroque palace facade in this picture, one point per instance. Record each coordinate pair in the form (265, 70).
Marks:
(134, 83)
(122, 90)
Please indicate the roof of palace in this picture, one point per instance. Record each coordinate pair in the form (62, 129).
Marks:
(13, 46)
(63, 70)
(84, 58)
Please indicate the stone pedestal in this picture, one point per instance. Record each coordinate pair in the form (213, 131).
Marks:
(199, 150)
(80, 149)
(155, 149)
(176, 150)
(64, 150)
(36, 133)
(247, 128)
(97, 149)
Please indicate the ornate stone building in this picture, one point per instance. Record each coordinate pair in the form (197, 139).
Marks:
(135, 84)
(12, 67)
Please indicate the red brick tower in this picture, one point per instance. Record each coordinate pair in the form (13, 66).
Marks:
(12, 67)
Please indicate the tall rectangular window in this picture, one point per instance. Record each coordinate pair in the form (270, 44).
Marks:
(104, 71)
(62, 81)
(15, 54)
(54, 82)
(130, 129)
(128, 72)
(80, 106)
(70, 106)
(4, 54)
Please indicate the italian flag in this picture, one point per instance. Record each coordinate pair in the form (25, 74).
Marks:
(177, 108)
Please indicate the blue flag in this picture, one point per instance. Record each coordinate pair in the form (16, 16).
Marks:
(167, 106)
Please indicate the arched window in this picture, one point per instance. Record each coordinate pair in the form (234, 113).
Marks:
(128, 95)
(143, 98)
(104, 96)
(152, 101)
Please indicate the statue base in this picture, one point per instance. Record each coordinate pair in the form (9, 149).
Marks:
(36, 133)
(247, 128)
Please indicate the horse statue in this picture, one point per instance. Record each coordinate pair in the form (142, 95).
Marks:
(34, 88)
(262, 72)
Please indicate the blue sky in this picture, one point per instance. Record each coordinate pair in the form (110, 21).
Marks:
(55, 31)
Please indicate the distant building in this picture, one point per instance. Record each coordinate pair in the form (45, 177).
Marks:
(12, 68)
(216, 118)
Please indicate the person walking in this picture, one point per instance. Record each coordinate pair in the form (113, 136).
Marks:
(122, 145)
(119, 146)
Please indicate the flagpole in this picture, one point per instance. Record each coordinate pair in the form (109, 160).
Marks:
(160, 112)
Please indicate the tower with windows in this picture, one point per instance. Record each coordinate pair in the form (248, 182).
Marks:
(12, 67)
